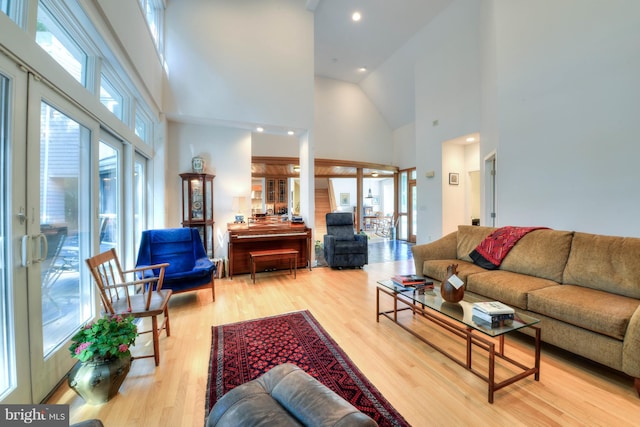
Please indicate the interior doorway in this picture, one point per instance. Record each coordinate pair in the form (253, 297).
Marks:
(490, 164)
(460, 182)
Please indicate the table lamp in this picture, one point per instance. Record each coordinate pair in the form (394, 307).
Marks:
(238, 204)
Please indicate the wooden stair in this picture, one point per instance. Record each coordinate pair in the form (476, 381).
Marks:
(323, 206)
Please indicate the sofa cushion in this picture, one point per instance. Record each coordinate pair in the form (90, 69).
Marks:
(541, 253)
(470, 236)
(508, 287)
(591, 309)
(437, 268)
(606, 263)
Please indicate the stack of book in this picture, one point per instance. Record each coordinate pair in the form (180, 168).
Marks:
(493, 313)
(411, 280)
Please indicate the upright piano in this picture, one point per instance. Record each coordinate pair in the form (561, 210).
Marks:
(247, 237)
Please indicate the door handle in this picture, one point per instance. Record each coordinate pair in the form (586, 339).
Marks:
(42, 247)
(31, 253)
(25, 251)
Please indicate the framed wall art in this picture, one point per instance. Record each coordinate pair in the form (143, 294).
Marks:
(344, 199)
(453, 178)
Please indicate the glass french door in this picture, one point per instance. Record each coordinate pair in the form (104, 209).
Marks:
(61, 296)
(413, 212)
(46, 231)
(14, 364)
(407, 206)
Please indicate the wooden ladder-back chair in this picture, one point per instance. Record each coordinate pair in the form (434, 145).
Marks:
(138, 297)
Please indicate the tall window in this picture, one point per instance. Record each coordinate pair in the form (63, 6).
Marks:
(109, 206)
(154, 14)
(60, 45)
(66, 300)
(407, 205)
(139, 172)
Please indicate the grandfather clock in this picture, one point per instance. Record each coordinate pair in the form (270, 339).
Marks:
(197, 206)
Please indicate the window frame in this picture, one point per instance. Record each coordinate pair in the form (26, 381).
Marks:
(125, 97)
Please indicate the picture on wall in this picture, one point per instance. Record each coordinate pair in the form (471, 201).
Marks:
(344, 199)
(453, 178)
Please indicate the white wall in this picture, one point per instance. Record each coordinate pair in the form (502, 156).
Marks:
(447, 90)
(241, 61)
(233, 178)
(348, 126)
(567, 113)
(404, 146)
(269, 145)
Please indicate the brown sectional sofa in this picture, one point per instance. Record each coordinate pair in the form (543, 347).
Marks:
(584, 287)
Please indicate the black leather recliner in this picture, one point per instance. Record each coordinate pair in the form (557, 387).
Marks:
(342, 246)
(285, 396)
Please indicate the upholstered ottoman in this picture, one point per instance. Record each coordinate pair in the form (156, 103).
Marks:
(285, 396)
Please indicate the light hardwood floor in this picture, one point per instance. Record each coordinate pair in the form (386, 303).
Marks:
(425, 387)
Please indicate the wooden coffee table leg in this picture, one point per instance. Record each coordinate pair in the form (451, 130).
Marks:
(492, 365)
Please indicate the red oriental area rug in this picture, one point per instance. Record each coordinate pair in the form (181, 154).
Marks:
(243, 351)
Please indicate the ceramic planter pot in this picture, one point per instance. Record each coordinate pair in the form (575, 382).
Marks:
(448, 292)
(97, 381)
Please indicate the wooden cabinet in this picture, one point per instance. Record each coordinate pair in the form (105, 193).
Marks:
(257, 197)
(197, 206)
(277, 199)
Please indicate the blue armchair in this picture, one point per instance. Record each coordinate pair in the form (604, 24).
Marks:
(189, 268)
(342, 247)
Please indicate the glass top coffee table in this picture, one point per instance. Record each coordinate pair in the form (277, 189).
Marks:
(457, 318)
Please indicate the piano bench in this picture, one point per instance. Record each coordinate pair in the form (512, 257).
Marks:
(274, 255)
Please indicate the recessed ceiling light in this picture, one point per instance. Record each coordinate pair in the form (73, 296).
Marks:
(374, 174)
(290, 132)
(356, 16)
(260, 129)
(471, 139)
(362, 69)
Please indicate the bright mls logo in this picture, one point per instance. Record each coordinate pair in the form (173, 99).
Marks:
(34, 415)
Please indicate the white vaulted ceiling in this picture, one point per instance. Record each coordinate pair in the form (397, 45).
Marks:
(380, 41)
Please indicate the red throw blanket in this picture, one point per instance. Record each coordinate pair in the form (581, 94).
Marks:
(495, 247)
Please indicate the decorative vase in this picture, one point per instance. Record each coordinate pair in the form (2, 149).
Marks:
(197, 164)
(98, 380)
(447, 290)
